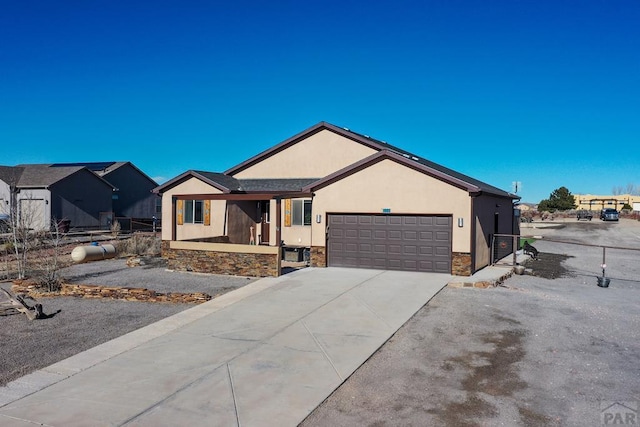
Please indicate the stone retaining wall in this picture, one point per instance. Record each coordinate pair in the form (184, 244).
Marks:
(230, 263)
(111, 292)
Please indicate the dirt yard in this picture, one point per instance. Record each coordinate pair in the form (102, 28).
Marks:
(77, 324)
(549, 349)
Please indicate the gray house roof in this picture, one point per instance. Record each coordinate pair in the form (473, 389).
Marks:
(266, 185)
(103, 169)
(10, 174)
(229, 184)
(43, 175)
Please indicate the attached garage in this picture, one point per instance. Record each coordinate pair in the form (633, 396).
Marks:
(390, 242)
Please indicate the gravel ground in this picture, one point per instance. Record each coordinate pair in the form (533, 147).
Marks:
(78, 324)
(537, 351)
(152, 274)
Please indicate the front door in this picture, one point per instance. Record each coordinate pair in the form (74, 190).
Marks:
(264, 229)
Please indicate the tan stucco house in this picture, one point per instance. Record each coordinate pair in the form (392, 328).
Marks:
(343, 198)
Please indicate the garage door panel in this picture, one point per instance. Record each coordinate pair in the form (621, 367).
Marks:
(351, 233)
(410, 221)
(394, 242)
(379, 220)
(350, 248)
(365, 248)
(365, 220)
(394, 220)
(441, 266)
(410, 250)
(394, 235)
(426, 250)
(425, 221)
(380, 249)
(442, 220)
(364, 262)
(379, 263)
(394, 249)
(426, 236)
(410, 235)
(442, 236)
(410, 265)
(365, 234)
(379, 234)
(442, 251)
(425, 265)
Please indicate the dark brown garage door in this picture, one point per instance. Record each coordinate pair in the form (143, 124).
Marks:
(390, 242)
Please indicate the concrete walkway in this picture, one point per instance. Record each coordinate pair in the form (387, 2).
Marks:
(265, 354)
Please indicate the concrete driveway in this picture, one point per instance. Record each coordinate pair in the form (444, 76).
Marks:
(265, 354)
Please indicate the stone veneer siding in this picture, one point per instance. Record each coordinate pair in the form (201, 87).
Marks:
(164, 248)
(234, 264)
(318, 256)
(461, 264)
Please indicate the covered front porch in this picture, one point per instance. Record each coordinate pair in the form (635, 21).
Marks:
(232, 233)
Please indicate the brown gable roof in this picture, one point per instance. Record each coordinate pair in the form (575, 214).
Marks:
(410, 160)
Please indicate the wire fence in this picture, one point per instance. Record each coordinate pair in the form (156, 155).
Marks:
(583, 259)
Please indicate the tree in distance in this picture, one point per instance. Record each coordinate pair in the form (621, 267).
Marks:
(560, 199)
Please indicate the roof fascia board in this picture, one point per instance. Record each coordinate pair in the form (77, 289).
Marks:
(244, 196)
(185, 177)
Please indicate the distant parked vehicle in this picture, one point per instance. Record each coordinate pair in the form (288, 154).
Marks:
(609, 215)
(584, 214)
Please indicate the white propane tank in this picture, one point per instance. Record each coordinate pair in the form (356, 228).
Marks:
(81, 254)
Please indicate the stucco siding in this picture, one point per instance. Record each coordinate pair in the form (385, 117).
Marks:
(193, 231)
(316, 156)
(388, 185)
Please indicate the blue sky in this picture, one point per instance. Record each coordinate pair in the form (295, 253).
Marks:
(542, 92)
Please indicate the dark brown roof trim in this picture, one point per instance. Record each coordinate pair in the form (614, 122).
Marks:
(184, 177)
(388, 155)
(243, 196)
(298, 137)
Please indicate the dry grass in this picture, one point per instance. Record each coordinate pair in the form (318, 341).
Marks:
(138, 244)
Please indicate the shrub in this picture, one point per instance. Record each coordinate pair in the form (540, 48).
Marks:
(139, 245)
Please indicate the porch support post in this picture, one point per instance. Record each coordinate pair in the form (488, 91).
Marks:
(173, 218)
(278, 221)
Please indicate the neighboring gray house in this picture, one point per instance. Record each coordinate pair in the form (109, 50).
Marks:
(133, 197)
(46, 194)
